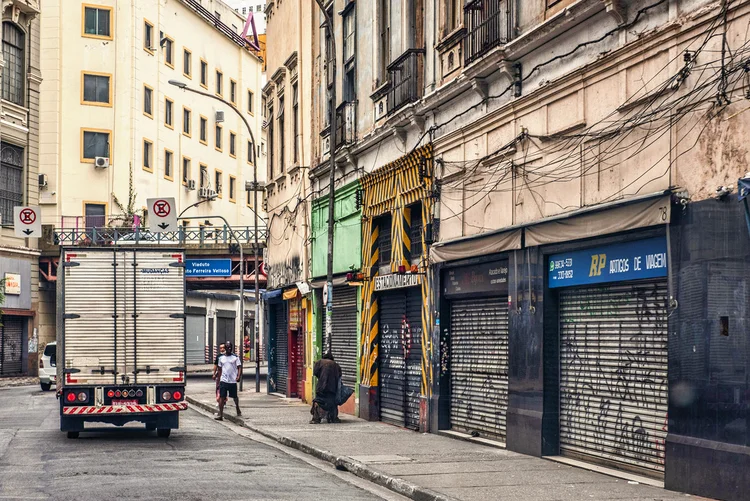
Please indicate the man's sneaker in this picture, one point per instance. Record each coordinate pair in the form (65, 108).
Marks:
(219, 418)
(239, 412)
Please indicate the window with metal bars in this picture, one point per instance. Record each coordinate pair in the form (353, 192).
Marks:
(14, 57)
(384, 240)
(11, 180)
(415, 231)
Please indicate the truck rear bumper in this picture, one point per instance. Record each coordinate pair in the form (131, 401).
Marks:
(122, 409)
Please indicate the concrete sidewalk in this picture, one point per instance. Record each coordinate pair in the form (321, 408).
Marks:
(421, 466)
(12, 382)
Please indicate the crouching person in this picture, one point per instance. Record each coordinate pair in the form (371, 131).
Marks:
(324, 405)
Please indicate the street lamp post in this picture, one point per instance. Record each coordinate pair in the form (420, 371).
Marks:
(184, 86)
(332, 177)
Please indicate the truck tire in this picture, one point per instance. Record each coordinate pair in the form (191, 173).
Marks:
(45, 386)
(73, 434)
(163, 432)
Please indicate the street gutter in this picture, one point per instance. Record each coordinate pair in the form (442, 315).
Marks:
(342, 463)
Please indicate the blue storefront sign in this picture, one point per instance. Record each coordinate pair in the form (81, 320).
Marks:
(208, 268)
(610, 263)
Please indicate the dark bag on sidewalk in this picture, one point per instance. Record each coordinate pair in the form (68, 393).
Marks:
(343, 393)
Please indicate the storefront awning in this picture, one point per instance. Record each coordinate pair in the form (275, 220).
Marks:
(654, 210)
(302, 287)
(271, 295)
(622, 215)
(318, 283)
(480, 246)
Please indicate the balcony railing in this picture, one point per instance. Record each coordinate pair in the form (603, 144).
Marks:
(488, 24)
(201, 236)
(346, 131)
(406, 76)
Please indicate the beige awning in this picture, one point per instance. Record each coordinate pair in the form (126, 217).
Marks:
(479, 246)
(589, 223)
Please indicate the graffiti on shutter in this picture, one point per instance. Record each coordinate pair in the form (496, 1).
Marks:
(479, 366)
(401, 357)
(613, 374)
(11, 345)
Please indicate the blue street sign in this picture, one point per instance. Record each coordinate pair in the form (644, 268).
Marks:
(208, 268)
(610, 263)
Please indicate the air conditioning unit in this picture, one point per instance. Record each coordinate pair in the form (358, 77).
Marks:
(212, 193)
(203, 193)
(43, 180)
(101, 162)
(191, 184)
(219, 116)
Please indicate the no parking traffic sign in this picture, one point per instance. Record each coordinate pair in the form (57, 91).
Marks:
(27, 222)
(162, 215)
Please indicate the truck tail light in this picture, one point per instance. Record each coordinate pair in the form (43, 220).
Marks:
(139, 393)
(110, 393)
(41, 363)
(166, 396)
(118, 393)
(70, 397)
(177, 395)
(83, 396)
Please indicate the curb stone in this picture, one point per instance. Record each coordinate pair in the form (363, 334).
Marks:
(395, 484)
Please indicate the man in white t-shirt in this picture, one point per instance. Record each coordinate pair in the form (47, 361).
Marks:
(231, 370)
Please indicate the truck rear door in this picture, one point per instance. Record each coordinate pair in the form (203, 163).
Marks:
(158, 297)
(123, 314)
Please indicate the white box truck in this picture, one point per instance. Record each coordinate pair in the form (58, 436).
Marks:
(121, 337)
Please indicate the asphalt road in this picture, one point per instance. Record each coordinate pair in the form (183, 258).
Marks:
(204, 459)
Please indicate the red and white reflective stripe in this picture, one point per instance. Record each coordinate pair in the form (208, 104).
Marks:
(124, 409)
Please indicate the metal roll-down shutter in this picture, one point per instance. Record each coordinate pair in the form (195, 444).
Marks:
(11, 345)
(400, 357)
(344, 338)
(414, 359)
(479, 366)
(613, 375)
(282, 347)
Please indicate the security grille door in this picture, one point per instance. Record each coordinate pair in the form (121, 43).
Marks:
(613, 375)
(400, 357)
(11, 347)
(299, 362)
(344, 338)
(282, 348)
(195, 326)
(413, 337)
(479, 366)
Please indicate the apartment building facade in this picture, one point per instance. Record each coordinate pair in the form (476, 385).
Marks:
(287, 98)
(552, 255)
(19, 186)
(111, 110)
